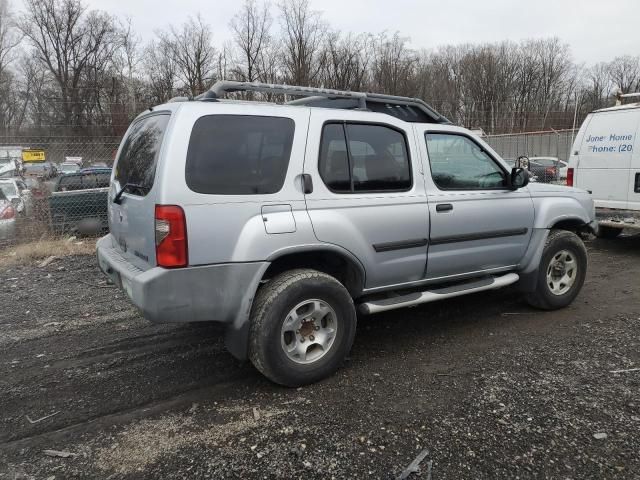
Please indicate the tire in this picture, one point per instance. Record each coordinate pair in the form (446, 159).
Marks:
(609, 232)
(308, 293)
(550, 294)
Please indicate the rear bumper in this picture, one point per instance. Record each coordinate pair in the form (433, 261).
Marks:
(618, 218)
(220, 293)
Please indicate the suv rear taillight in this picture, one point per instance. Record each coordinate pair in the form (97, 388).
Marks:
(8, 213)
(171, 237)
(569, 177)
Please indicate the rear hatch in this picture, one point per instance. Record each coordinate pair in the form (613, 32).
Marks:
(131, 216)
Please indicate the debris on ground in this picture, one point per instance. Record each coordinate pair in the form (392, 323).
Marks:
(59, 453)
(414, 467)
(47, 261)
(42, 418)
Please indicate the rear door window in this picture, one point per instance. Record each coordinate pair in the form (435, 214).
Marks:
(136, 164)
(239, 154)
(364, 158)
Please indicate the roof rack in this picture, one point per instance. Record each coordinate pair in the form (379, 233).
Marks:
(620, 96)
(405, 108)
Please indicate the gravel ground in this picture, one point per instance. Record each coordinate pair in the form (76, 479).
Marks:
(492, 388)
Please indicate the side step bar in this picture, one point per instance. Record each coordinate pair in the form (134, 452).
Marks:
(416, 298)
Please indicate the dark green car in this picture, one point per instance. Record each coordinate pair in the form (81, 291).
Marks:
(79, 203)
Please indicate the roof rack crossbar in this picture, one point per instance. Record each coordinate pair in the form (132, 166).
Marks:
(225, 86)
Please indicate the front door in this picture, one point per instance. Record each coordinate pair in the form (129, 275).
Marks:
(368, 194)
(478, 225)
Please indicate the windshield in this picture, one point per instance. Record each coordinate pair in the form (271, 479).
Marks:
(69, 167)
(9, 189)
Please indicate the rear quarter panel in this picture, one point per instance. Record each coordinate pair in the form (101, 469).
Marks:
(230, 228)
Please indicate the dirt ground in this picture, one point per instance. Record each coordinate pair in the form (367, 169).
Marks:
(492, 388)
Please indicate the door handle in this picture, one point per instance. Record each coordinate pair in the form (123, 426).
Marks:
(444, 207)
(307, 183)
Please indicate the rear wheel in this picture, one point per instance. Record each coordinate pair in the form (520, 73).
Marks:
(608, 232)
(562, 271)
(303, 323)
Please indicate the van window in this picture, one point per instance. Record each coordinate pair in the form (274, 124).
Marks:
(239, 154)
(136, 164)
(376, 159)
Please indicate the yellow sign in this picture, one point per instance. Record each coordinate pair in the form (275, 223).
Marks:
(33, 156)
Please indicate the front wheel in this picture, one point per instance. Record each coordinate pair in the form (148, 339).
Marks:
(303, 323)
(562, 270)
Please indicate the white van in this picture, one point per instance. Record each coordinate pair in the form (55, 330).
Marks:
(605, 160)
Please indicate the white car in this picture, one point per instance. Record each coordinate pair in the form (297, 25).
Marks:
(16, 191)
(7, 218)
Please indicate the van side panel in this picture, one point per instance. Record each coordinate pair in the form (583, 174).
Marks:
(604, 157)
(633, 198)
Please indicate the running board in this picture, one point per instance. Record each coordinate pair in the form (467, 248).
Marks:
(416, 298)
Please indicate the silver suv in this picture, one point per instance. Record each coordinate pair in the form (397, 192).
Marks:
(283, 221)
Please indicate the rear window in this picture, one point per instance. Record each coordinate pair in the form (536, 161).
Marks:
(239, 154)
(84, 181)
(137, 161)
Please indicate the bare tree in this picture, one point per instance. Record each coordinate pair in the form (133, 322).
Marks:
(625, 73)
(9, 37)
(161, 73)
(193, 54)
(303, 33)
(70, 42)
(250, 29)
(393, 68)
(346, 61)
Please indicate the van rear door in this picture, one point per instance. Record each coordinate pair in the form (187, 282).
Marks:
(604, 157)
(132, 216)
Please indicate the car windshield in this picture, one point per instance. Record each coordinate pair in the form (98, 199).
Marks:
(69, 167)
(9, 189)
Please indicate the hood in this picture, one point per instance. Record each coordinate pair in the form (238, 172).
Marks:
(538, 187)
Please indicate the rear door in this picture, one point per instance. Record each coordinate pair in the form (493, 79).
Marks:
(131, 222)
(368, 194)
(604, 157)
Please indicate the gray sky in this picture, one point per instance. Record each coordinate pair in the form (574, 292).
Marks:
(597, 30)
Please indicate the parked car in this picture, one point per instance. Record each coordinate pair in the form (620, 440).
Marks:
(45, 170)
(548, 169)
(282, 221)
(96, 169)
(69, 167)
(7, 218)
(78, 203)
(17, 193)
(605, 159)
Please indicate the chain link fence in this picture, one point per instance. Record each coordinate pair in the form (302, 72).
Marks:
(63, 195)
(555, 143)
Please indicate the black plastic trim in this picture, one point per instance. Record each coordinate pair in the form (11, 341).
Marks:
(389, 246)
(479, 236)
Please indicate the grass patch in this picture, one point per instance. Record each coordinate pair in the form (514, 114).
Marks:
(42, 249)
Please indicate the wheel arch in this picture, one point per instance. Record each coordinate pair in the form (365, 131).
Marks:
(334, 261)
(330, 259)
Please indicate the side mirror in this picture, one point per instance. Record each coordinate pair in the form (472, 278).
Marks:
(522, 162)
(519, 178)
